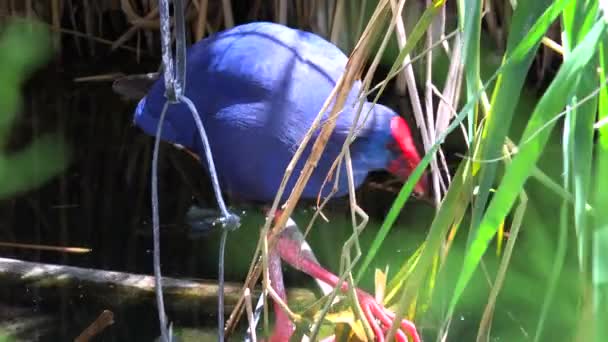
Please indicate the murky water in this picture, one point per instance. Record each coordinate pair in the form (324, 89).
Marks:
(102, 202)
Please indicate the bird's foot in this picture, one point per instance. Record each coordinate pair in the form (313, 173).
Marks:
(293, 249)
(380, 319)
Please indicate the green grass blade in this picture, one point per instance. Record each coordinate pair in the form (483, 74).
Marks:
(599, 257)
(472, 28)
(508, 87)
(532, 144)
(533, 37)
(577, 20)
(452, 210)
(483, 333)
(392, 215)
(581, 123)
(408, 186)
(560, 253)
(538, 29)
(434, 238)
(441, 223)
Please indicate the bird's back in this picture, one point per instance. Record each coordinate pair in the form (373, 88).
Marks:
(258, 88)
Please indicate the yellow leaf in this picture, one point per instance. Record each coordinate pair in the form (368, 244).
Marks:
(357, 333)
(380, 285)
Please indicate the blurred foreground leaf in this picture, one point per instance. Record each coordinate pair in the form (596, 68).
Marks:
(24, 46)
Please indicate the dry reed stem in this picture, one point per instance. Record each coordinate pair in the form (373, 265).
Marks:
(249, 309)
(363, 96)
(449, 97)
(127, 9)
(201, 20)
(133, 29)
(401, 81)
(320, 22)
(450, 90)
(282, 12)
(354, 67)
(346, 263)
(553, 45)
(430, 113)
(426, 132)
(280, 302)
(376, 61)
(55, 22)
(85, 35)
(389, 77)
(147, 23)
(228, 17)
(344, 85)
(338, 22)
(255, 269)
(356, 60)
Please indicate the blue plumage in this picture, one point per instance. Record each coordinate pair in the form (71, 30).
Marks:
(257, 88)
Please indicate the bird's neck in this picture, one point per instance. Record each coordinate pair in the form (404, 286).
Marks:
(377, 155)
(374, 145)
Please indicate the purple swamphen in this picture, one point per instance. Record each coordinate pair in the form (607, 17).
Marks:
(258, 88)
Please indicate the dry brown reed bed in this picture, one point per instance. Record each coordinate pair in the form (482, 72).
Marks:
(133, 24)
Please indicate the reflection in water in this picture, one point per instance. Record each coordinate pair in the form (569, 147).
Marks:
(102, 202)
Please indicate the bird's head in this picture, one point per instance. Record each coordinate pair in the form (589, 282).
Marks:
(178, 126)
(405, 155)
(149, 89)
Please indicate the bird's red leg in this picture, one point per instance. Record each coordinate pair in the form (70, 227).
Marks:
(293, 249)
(284, 327)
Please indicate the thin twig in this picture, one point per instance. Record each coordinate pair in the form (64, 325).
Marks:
(104, 320)
(249, 309)
(78, 250)
(339, 93)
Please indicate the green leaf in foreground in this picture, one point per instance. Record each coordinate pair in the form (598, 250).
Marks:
(471, 34)
(32, 166)
(532, 144)
(599, 257)
(519, 52)
(23, 46)
(540, 15)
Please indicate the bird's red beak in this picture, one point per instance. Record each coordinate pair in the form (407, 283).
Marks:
(403, 166)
